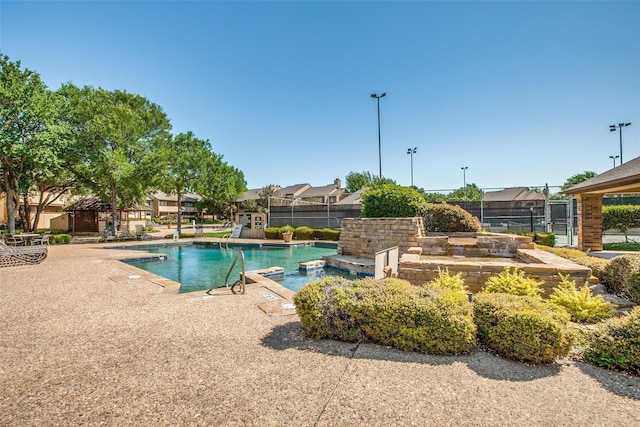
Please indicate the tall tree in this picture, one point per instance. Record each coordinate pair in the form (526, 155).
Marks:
(116, 141)
(185, 159)
(357, 180)
(32, 137)
(221, 185)
(470, 193)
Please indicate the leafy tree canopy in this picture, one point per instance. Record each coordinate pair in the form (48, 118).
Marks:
(357, 180)
(578, 178)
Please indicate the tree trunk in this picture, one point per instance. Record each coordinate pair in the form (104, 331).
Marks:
(11, 213)
(114, 207)
(179, 213)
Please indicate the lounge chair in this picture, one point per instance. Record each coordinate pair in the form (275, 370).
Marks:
(125, 234)
(11, 256)
(199, 231)
(141, 234)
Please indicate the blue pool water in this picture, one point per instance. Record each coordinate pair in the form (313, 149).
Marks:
(199, 267)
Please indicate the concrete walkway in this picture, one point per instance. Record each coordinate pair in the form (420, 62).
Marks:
(88, 340)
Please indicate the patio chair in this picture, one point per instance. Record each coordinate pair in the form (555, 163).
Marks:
(42, 240)
(11, 256)
(15, 240)
(199, 231)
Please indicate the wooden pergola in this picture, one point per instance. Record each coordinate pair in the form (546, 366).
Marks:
(624, 179)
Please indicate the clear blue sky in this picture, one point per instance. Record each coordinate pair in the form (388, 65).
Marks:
(522, 93)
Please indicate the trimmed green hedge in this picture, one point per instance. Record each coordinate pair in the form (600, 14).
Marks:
(522, 328)
(620, 217)
(616, 343)
(304, 233)
(388, 312)
(392, 201)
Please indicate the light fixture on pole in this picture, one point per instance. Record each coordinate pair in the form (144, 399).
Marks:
(411, 152)
(613, 128)
(377, 97)
(614, 160)
(464, 181)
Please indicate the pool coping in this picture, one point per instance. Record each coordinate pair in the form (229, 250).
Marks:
(254, 278)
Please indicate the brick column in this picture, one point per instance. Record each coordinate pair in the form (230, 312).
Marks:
(590, 222)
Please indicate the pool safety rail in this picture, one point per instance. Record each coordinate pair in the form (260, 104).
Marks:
(241, 281)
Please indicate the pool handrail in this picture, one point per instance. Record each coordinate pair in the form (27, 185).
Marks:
(243, 279)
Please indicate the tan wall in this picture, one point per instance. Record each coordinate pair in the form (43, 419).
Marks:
(363, 237)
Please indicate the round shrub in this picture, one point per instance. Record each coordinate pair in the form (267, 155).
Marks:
(522, 328)
(304, 233)
(272, 233)
(513, 283)
(623, 276)
(392, 201)
(389, 312)
(616, 343)
(442, 217)
(446, 280)
(61, 239)
(581, 305)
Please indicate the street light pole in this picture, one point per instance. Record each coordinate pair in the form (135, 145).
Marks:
(614, 160)
(464, 181)
(377, 97)
(412, 151)
(613, 128)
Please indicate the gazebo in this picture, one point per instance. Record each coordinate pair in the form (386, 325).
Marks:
(87, 213)
(624, 179)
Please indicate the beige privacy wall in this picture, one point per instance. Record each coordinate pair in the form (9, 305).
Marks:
(363, 237)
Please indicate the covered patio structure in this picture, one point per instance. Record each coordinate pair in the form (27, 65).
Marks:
(624, 179)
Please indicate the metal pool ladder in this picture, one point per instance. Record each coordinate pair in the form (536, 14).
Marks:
(242, 280)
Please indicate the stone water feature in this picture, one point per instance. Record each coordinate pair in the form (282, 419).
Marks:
(477, 256)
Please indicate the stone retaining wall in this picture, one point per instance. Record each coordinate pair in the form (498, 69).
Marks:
(363, 237)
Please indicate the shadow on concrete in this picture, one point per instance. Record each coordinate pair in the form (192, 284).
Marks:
(290, 336)
(619, 383)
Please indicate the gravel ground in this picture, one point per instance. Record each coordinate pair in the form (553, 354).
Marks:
(83, 343)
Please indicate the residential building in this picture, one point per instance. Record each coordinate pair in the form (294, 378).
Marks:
(163, 205)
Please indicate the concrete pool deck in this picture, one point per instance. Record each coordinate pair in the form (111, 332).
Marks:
(86, 339)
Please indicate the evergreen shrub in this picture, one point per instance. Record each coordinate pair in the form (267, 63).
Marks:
(304, 233)
(388, 312)
(61, 239)
(615, 343)
(513, 283)
(326, 234)
(623, 276)
(273, 233)
(522, 328)
(580, 304)
(442, 217)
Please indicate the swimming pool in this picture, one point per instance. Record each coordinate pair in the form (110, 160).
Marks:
(201, 266)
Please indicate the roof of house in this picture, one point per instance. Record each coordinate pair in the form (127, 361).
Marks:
(327, 190)
(255, 193)
(513, 194)
(619, 180)
(352, 199)
(292, 190)
(174, 198)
